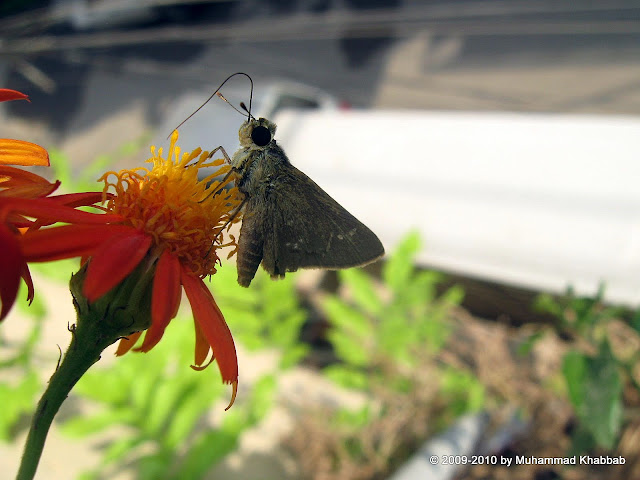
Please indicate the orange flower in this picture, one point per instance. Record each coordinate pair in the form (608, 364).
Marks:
(25, 195)
(15, 186)
(19, 152)
(17, 183)
(169, 221)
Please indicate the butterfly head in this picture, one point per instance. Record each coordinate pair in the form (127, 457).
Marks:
(256, 133)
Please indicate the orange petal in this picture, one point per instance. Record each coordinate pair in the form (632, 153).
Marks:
(12, 263)
(7, 94)
(11, 176)
(127, 342)
(26, 276)
(46, 210)
(19, 152)
(202, 349)
(78, 199)
(67, 241)
(214, 328)
(32, 190)
(113, 261)
(165, 299)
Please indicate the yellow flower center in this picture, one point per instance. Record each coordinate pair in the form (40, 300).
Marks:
(182, 214)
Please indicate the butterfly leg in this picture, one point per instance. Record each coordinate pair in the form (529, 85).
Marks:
(233, 171)
(223, 151)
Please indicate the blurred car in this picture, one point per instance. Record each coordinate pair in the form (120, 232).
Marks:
(539, 201)
(217, 124)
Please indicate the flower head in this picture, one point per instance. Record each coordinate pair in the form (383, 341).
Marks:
(183, 215)
(17, 188)
(169, 222)
(26, 205)
(16, 184)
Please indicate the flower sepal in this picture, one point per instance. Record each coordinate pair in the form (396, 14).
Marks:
(123, 310)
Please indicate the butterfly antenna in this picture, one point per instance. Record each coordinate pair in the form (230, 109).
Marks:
(222, 97)
(216, 92)
(247, 110)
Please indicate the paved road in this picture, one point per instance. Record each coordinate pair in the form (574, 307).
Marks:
(101, 97)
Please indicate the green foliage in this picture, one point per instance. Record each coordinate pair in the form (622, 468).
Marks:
(17, 401)
(384, 333)
(580, 315)
(19, 396)
(267, 315)
(163, 404)
(387, 336)
(462, 391)
(85, 180)
(595, 391)
(59, 270)
(594, 381)
(369, 332)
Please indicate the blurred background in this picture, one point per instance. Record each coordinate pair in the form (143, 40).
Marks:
(504, 133)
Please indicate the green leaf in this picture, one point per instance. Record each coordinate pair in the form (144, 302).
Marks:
(293, 355)
(169, 399)
(262, 397)
(419, 291)
(348, 319)
(60, 166)
(396, 336)
(210, 449)
(104, 385)
(144, 389)
(635, 321)
(435, 333)
(359, 418)
(82, 426)
(581, 441)
(190, 410)
(284, 332)
(120, 449)
(348, 349)
(363, 291)
(59, 270)
(526, 345)
(452, 297)
(595, 391)
(397, 270)
(156, 466)
(546, 303)
(574, 368)
(17, 400)
(347, 377)
(89, 475)
(464, 391)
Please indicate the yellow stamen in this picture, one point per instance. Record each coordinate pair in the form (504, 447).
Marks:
(180, 212)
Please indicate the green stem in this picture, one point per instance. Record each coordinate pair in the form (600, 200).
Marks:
(120, 312)
(84, 350)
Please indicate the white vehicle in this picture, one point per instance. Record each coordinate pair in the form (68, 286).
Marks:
(534, 200)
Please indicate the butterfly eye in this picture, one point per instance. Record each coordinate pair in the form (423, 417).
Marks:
(261, 136)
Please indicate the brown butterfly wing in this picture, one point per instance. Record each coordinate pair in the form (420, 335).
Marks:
(305, 228)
